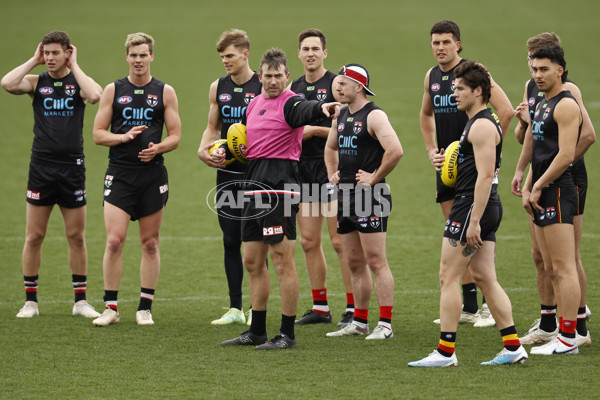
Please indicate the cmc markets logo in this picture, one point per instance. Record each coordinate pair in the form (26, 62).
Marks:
(228, 199)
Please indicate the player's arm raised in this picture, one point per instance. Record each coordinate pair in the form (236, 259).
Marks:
(427, 123)
(499, 100)
(213, 128)
(380, 128)
(18, 81)
(90, 90)
(484, 138)
(331, 154)
(173, 125)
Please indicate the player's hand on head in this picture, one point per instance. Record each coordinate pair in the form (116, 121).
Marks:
(71, 56)
(39, 54)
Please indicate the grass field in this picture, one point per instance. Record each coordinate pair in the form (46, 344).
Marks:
(58, 356)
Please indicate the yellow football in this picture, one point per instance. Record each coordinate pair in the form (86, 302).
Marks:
(450, 167)
(237, 141)
(222, 144)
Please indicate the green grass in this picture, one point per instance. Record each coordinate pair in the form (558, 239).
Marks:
(58, 356)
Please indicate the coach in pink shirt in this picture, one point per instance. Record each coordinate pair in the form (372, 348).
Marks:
(274, 125)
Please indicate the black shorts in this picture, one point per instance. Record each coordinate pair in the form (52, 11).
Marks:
(52, 184)
(458, 221)
(581, 195)
(443, 193)
(559, 204)
(137, 191)
(268, 218)
(315, 183)
(364, 208)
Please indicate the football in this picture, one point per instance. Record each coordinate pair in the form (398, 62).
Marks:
(450, 167)
(237, 141)
(222, 144)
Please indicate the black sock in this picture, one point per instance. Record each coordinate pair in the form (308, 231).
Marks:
(287, 325)
(31, 286)
(146, 298)
(581, 325)
(470, 298)
(259, 323)
(548, 319)
(79, 286)
(110, 298)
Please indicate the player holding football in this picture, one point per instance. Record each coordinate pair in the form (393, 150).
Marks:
(470, 232)
(228, 99)
(274, 128)
(136, 184)
(316, 84)
(545, 328)
(57, 170)
(362, 149)
(549, 192)
(441, 124)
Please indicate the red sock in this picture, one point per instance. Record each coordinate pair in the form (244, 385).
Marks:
(320, 301)
(349, 301)
(385, 313)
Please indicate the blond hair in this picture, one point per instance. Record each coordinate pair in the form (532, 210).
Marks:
(236, 37)
(135, 39)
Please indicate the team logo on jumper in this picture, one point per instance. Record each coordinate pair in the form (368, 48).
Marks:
(374, 222)
(124, 100)
(435, 87)
(46, 90)
(225, 97)
(537, 112)
(301, 95)
(551, 212)
(546, 113)
(321, 94)
(152, 100)
(70, 90)
(248, 97)
(531, 101)
(357, 127)
(273, 230)
(455, 227)
(33, 195)
(453, 85)
(108, 180)
(341, 127)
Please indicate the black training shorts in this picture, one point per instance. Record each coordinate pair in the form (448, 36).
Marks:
(137, 191)
(52, 184)
(460, 215)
